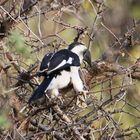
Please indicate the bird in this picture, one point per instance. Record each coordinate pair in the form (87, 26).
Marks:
(60, 69)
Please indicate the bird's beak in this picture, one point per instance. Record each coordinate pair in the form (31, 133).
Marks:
(87, 57)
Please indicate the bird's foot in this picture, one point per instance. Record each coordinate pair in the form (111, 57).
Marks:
(57, 99)
(60, 99)
(81, 99)
(85, 93)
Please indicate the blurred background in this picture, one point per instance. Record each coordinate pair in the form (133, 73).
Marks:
(31, 28)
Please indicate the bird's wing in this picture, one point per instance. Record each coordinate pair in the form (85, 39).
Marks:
(45, 61)
(62, 60)
(44, 64)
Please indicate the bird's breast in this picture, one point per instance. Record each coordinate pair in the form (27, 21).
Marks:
(60, 81)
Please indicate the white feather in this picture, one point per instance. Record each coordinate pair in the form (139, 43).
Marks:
(76, 80)
(70, 60)
(79, 49)
(59, 82)
(60, 65)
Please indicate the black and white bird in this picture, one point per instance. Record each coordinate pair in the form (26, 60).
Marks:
(61, 68)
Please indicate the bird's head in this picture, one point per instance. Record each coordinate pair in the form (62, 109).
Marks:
(82, 51)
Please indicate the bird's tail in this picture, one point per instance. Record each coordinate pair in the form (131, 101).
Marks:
(40, 91)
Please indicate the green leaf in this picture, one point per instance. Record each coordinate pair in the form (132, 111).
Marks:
(18, 44)
(4, 122)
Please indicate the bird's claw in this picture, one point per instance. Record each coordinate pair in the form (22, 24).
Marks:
(81, 99)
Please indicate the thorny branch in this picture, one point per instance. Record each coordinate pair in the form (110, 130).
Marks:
(63, 118)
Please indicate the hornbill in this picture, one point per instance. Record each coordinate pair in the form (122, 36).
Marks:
(61, 68)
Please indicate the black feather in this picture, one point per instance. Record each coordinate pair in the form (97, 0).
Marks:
(44, 63)
(61, 55)
(40, 91)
